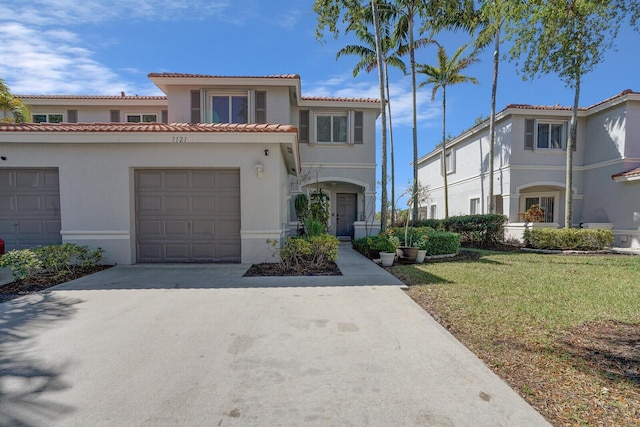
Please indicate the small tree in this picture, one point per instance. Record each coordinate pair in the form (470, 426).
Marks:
(18, 112)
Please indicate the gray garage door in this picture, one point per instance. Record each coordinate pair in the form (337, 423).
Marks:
(188, 215)
(29, 207)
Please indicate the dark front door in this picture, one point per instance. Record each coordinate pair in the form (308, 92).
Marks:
(346, 214)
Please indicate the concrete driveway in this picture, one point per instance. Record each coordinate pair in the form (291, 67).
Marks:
(135, 346)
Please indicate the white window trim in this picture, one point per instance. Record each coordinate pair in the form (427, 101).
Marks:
(64, 116)
(210, 93)
(556, 202)
(431, 206)
(564, 136)
(332, 113)
(145, 113)
(479, 210)
(443, 162)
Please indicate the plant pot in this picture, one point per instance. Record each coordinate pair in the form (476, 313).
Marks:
(420, 256)
(387, 258)
(409, 253)
(374, 254)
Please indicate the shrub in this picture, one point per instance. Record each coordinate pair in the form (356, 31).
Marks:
(436, 224)
(581, 239)
(362, 245)
(440, 243)
(311, 252)
(55, 261)
(478, 230)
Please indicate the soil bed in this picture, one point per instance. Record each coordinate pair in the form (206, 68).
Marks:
(21, 287)
(276, 269)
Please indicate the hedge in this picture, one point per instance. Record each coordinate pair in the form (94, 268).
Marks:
(440, 243)
(579, 239)
(475, 230)
(313, 252)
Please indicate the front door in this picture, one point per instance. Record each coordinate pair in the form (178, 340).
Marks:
(346, 213)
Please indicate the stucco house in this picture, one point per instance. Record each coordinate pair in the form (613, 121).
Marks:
(206, 173)
(530, 166)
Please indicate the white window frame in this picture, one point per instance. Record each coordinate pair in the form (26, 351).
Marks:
(433, 211)
(146, 113)
(478, 207)
(444, 165)
(48, 117)
(549, 123)
(556, 202)
(208, 102)
(332, 114)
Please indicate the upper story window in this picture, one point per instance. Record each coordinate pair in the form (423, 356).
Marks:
(47, 118)
(142, 118)
(545, 135)
(232, 108)
(332, 128)
(449, 162)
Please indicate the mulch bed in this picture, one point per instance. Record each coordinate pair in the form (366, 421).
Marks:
(22, 287)
(276, 269)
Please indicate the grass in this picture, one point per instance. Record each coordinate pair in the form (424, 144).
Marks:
(545, 324)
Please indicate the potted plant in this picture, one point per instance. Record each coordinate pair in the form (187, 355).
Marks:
(422, 249)
(387, 246)
(410, 248)
(534, 214)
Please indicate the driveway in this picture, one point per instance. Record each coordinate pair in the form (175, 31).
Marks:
(138, 346)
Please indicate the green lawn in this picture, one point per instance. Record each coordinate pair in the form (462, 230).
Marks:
(515, 310)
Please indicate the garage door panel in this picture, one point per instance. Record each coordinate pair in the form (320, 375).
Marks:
(176, 179)
(199, 212)
(177, 228)
(29, 207)
(176, 203)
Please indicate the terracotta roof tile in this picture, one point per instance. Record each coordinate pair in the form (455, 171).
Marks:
(565, 108)
(145, 127)
(109, 97)
(187, 75)
(632, 172)
(328, 98)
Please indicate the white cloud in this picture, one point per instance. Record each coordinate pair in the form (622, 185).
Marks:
(344, 85)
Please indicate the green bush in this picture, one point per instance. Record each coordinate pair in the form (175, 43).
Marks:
(312, 252)
(413, 234)
(55, 261)
(478, 230)
(440, 243)
(580, 239)
(436, 224)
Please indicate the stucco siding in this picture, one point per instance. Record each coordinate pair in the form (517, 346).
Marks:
(97, 188)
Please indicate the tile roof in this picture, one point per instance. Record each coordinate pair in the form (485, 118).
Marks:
(565, 108)
(328, 98)
(627, 174)
(187, 75)
(109, 97)
(145, 127)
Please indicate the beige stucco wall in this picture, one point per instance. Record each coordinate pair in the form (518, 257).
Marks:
(97, 187)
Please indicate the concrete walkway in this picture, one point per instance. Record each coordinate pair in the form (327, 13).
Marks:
(199, 345)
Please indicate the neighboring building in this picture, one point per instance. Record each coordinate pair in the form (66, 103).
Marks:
(530, 166)
(206, 173)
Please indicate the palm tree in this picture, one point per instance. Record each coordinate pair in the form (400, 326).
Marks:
(368, 62)
(447, 73)
(18, 112)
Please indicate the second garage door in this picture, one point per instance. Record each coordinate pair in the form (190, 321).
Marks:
(188, 215)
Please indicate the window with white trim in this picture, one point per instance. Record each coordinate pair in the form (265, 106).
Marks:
(544, 201)
(474, 206)
(230, 107)
(433, 211)
(449, 162)
(332, 128)
(47, 118)
(545, 134)
(141, 118)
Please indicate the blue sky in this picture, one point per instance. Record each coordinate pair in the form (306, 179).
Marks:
(99, 47)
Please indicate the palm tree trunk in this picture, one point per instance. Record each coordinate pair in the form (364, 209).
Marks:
(415, 120)
(571, 141)
(384, 204)
(492, 120)
(393, 164)
(444, 151)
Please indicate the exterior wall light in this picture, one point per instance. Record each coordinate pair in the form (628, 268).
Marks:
(259, 170)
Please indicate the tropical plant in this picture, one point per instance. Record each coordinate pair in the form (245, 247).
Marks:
(13, 109)
(568, 38)
(368, 62)
(447, 72)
